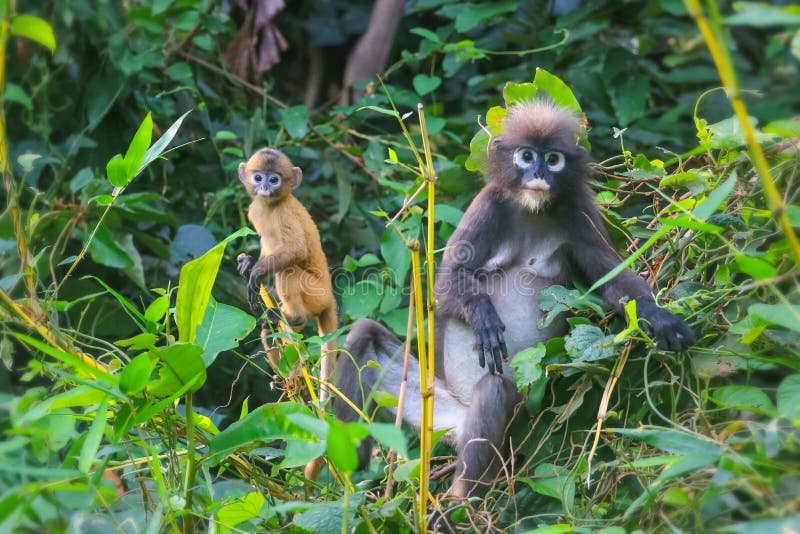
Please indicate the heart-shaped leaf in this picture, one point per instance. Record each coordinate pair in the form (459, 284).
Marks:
(424, 84)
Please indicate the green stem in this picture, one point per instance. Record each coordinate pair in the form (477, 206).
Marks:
(191, 467)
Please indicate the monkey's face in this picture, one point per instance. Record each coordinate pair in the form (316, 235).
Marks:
(269, 175)
(536, 158)
(537, 172)
(265, 183)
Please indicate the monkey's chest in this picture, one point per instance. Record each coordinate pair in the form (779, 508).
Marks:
(512, 278)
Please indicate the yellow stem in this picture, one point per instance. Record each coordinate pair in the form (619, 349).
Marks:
(719, 52)
(425, 431)
(46, 334)
(268, 302)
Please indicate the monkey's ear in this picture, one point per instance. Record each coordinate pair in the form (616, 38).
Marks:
(242, 175)
(297, 176)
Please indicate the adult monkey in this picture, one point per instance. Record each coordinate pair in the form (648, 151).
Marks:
(533, 226)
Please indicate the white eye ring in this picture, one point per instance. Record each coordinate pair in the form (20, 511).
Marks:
(555, 161)
(524, 157)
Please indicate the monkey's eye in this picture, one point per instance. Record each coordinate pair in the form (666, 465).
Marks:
(275, 180)
(524, 157)
(555, 161)
(258, 177)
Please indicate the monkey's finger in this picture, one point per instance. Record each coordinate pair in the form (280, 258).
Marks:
(479, 348)
(489, 356)
(502, 344)
(498, 362)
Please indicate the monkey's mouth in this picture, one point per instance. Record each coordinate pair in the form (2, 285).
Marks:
(537, 190)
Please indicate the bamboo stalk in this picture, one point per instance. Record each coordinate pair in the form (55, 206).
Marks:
(401, 399)
(424, 391)
(712, 34)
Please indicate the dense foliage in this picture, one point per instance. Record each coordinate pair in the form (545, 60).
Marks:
(111, 332)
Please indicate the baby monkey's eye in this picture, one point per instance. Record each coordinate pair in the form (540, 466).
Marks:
(258, 177)
(274, 179)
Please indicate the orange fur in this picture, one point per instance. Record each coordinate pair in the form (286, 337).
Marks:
(291, 250)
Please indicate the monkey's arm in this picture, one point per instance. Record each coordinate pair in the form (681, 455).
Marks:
(459, 292)
(594, 255)
(290, 253)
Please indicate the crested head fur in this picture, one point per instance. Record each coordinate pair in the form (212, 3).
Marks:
(539, 120)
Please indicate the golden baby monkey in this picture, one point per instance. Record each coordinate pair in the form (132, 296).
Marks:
(291, 250)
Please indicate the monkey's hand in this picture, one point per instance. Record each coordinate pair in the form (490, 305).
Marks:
(244, 263)
(670, 332)
(489, 341)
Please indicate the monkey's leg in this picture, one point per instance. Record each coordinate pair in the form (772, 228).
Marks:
(369, 340)
(481, 445)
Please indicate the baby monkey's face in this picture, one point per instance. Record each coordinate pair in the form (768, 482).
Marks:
(269, 174)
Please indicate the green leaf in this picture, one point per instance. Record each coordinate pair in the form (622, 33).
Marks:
(194, 291)
(527, 365)
(746, 398)
(295, 120)
(477, 161)
(143, 341)
(135, 375)
(34, 28)
(327, 517)
(629, 96)
(556, 89)
(426, 34)
(160, 146)
(266, 423)
(134, 157)
(222, 328)
(783, 314)
(424, 84)
(516, 92)
(361, 299)
(105, 250)
(763, 15)
(587, 343)
(553, 481)
(181, 366)
(385, 111)
(341, 447)
(115, 170)
(685, 220)
(239, 510)
(688, 179)
(788, 397)
(73, 361)
(469, 15)
(716, 199)
(15, 93)
(157, 309)
(389, 436)
(672, 441)
(93, 438)
(758, 268)
(448, 214)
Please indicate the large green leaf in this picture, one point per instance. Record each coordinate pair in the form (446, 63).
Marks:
(587, 343)
(266, 423)
(134, 156)
(222, 328)
(180, 366)
(327, 517)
